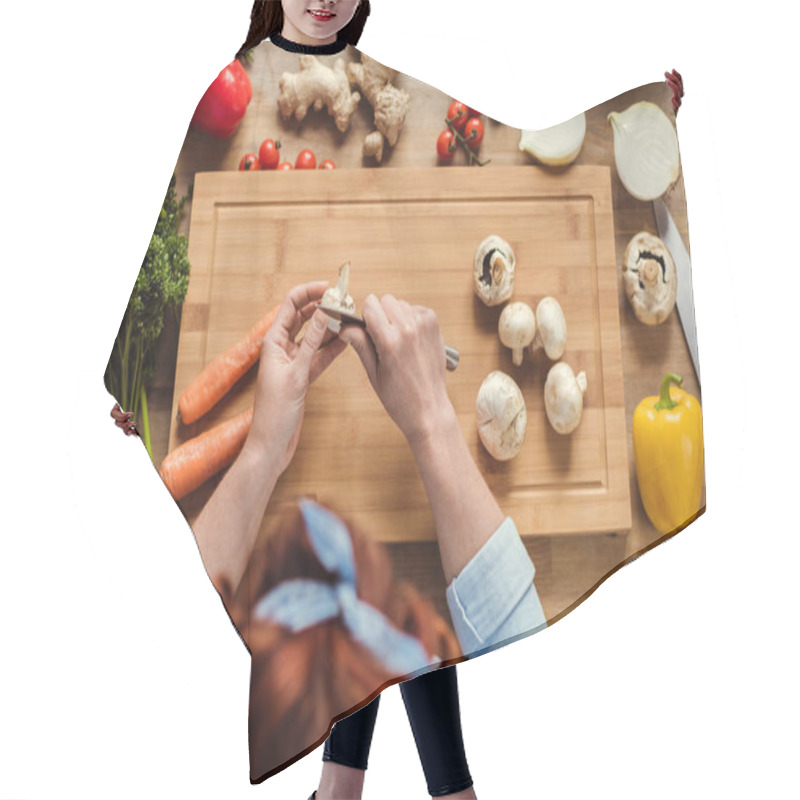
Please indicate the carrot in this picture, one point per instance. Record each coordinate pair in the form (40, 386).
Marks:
(191, 464)
(220, 374)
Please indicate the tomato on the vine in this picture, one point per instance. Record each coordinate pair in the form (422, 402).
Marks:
(285, 166)
(471, 112)
(305, 160)
(249, 163)
(473, 133)
(445, 145)
(268, 155)
(457, 115)
(327, 164)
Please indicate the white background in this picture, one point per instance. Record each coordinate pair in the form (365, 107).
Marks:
(120, 674)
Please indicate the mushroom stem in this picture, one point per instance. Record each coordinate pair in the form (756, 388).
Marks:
(344, 279)
(498, 262)
(516, 355)
(649, 273)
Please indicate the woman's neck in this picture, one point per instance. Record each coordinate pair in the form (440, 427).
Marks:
(294, 34)
(292, 46)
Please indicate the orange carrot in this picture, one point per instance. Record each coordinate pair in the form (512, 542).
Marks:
(191, 464)
(219, 375)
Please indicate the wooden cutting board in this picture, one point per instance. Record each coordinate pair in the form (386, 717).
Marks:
(413, 233)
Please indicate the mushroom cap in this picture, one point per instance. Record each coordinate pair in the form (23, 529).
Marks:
(517, 325)
(501, 415)
(563, 397)
(493, 270)
(650, 278)
(552, 327)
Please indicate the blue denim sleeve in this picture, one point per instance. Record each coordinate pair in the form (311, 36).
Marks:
(493, 598)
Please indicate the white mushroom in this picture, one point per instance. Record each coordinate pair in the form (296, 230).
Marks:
(337, 297)
(493, 270)
(551, 328)
(650, 278)
(563, 397)
(517, 327)
(501, 414)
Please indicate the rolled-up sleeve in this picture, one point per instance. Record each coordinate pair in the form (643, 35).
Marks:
(493, 598)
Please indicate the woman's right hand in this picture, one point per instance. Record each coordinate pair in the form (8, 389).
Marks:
(402, 350)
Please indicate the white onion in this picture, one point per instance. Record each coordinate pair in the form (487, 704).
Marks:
(557, 145)
(645, 150)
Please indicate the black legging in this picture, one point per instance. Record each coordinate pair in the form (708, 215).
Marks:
(432, 706)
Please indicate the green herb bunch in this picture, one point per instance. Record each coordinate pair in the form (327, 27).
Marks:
(159, 289)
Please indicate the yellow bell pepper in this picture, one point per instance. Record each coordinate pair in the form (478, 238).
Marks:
(668, 449)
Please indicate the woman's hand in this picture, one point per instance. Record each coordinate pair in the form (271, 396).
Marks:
(402, 350)
(287, 369)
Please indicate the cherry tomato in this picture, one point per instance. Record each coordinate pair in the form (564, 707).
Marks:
(471, 112)
(473, 133)
(327, 164)
(305, 160)
(457, 115)
(249, 163)
(445, 145)
(268, 155)
(285, 166)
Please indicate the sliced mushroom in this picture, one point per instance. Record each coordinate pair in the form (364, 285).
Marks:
(493, 270)
(517, 328)
(502, 417)
(551, 329)
(649, 278)
(563, 397)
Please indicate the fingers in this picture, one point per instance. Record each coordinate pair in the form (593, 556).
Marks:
(324, 357)
(293, 304)
(124, 420)
(312, 340)
(387, 319)
(675, 83)
(361, 342)
(302, 317)
(375, 316)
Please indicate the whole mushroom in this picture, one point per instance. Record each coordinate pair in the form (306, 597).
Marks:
(493, 270)
(551, 329)
(563, 397)
(502, 417)
(650, 278)
(517, 328)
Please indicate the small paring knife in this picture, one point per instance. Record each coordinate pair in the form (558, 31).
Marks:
(344, 318)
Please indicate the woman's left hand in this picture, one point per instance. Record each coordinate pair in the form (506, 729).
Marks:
(287, 369)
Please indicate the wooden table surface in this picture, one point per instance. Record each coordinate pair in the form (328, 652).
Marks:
(568, 569)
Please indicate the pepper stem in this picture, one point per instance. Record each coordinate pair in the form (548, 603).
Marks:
(665, 401)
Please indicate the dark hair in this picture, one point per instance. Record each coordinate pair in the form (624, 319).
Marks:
(266, 19)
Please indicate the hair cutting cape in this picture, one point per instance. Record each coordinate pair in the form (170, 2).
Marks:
(591, 441)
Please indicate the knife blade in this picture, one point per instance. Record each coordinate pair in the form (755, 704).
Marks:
(670, 235)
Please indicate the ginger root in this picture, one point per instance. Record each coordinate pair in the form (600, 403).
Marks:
(373, 146)
(317, 85)
(389, 103)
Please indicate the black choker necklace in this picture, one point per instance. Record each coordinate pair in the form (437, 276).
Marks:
(314, 49)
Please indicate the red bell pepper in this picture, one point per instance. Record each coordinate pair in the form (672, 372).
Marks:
(223, 105)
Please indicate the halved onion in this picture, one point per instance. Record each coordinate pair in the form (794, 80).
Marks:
(558, 145)
(645, 150)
